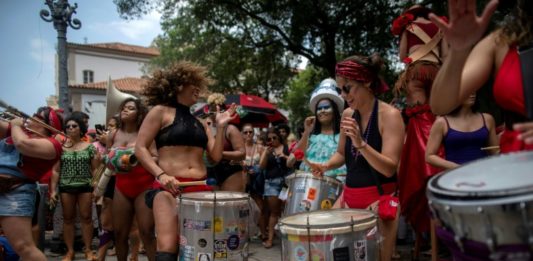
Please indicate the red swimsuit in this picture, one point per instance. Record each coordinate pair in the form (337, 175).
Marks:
(508, 92)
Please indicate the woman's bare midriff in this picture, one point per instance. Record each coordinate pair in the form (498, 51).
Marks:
(182, 161)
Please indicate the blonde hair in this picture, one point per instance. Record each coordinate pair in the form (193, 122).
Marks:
(216, 99)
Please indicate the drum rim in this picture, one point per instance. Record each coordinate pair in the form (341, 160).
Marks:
(304, 174)
(184, 196)
(371, 218)
(436, 190)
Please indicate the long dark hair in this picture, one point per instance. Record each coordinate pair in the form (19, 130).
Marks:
(518, 25)
(336, 118)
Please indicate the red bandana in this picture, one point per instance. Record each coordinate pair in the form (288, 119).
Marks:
(53, 119)
(357, 72)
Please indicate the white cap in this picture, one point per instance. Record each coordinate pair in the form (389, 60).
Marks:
(326, 89)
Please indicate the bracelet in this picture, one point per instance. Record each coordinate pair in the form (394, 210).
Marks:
(159, 175)
(362, 146)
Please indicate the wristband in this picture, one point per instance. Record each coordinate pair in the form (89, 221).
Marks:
(159, 175)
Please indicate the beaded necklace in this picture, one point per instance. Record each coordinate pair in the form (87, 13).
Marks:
(369, 127)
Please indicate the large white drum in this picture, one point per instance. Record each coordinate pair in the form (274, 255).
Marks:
(309, 193)
(486, 207)
(214, 225)
(336, 234)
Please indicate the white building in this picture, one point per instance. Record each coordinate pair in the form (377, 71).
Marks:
(91, 65)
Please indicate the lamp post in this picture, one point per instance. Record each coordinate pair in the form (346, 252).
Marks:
(60, 13)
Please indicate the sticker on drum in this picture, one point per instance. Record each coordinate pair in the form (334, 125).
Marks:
(220, 249)
(325, 204)
(218, 224)
(183, 240)
(305, 205)
(317, 255)
(202, 243)
(233, 242)
(341, 254)
(187, 254)
(300, 253)
(311, 194)
(359, 250)
(204, 257)
(332, 193)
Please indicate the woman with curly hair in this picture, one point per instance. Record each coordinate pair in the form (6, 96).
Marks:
(72, 177)
(228, 172)
(181, 140)
(472, 63)
(132, 185)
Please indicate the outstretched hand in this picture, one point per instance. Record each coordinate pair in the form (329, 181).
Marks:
(223, 118)
(464, 28)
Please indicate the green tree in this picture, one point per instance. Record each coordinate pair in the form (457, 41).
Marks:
(296, 99)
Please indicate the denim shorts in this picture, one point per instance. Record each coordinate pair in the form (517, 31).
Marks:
(19, 202)
(273, 187)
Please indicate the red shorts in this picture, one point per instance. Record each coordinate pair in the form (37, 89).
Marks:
(361, 198)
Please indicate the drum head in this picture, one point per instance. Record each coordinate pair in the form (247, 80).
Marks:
(503, 175)
(211, 196)
(304, 175)
(329, 218)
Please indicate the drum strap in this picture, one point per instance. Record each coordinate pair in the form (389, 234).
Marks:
(526, 63)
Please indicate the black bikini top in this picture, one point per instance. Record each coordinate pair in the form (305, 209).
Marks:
(185, 130)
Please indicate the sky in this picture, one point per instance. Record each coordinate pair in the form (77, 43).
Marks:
(27, 48)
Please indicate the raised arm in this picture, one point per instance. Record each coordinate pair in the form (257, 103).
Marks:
(36, 148)
(468, 65)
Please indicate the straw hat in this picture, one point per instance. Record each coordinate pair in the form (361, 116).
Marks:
(326, 89)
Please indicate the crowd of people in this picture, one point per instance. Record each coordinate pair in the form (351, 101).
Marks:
(372, 147)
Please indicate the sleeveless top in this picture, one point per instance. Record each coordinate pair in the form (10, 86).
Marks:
(277, 166)
(320, 148)
(461, 147)
(359, 172)
(430, 29)
(508, 90)
(185, 130)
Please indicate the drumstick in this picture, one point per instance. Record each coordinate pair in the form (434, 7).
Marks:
(208, 182)
(490, 148)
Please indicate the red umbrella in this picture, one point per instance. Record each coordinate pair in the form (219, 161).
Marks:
(251, 109)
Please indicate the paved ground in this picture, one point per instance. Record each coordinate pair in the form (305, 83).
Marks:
(257, 253)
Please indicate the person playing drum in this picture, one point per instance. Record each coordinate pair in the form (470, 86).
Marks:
(372, 134)
(25, 158)
(181, 140)
(321, 133)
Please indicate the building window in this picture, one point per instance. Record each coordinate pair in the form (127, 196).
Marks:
(88, 76)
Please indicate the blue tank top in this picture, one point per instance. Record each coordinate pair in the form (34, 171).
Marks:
(359, 172)
(461, 147)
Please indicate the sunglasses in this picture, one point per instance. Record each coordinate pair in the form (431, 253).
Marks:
(325, 108)
(345, 88)
(247, 132)
(71, 126)
(272, 138)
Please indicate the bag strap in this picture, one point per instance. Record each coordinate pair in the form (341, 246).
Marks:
(430, 43)
(525, 54)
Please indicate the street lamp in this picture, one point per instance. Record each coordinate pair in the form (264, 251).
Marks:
(61, 13)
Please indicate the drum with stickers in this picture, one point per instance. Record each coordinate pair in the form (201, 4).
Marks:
(335, 234)
(308, 193)
(214, 225)
(486, 208)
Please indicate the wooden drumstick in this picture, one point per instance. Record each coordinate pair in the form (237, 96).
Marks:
(490, 148)
(208, 182)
